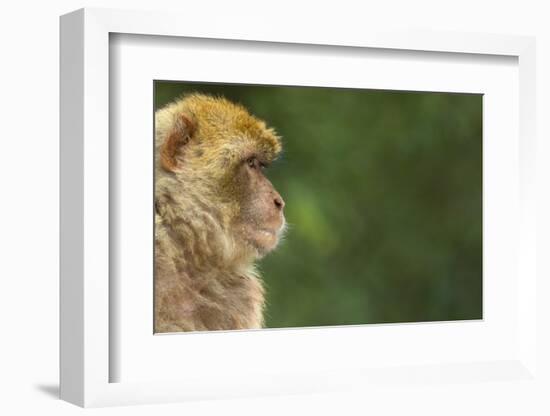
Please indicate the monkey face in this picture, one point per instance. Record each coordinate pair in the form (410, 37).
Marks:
(260, 219)
(212, 154)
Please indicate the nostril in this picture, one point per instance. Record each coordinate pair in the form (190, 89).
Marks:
(279, 203)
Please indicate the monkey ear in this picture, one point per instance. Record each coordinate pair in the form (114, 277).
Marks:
(183, 129)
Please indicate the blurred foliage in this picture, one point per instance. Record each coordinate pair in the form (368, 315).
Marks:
(383, 194)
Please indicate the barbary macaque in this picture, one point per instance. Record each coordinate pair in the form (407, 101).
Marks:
(216, 213)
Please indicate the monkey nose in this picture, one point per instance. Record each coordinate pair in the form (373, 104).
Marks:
(279, 203)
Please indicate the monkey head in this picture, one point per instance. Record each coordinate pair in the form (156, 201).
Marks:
(211, 161)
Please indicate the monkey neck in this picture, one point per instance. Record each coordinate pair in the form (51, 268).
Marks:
(197, 288)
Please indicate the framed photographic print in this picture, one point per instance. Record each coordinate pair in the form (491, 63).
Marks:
(382, 219)
(266, 214)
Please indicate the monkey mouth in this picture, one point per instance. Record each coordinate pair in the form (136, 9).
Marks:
(275, 232)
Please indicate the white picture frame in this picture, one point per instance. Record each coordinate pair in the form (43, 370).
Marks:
(87, 356)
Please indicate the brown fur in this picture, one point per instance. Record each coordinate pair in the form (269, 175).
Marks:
(216, 213)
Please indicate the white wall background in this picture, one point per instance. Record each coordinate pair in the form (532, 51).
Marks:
(29, 116)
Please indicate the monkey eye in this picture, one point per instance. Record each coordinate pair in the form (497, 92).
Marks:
(253, 162)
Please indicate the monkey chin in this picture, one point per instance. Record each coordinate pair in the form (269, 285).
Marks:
(265, 240)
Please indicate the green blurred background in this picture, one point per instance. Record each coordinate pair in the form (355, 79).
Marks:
(383, 194)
